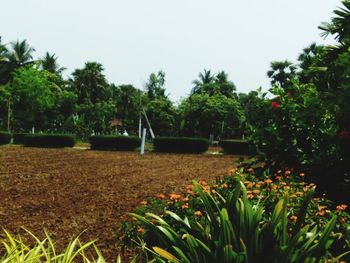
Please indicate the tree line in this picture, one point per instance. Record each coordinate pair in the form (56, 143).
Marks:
(33, 93)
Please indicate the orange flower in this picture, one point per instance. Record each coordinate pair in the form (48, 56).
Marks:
(144, 202)
(301, 174)
(293, 219)
(141, 230)
(185, 206)
(202, 182)
(256, 191)
(224, 186)
(174, 197)
(250, 196)
(268, 181)
(299, 193)
(190, 187)
(206, 189)
(340, 208)
(160, 196)
(279, 178)
(232, 171)
(198, 213)
(250, 170)
(274, 187)
(279, 171)
(249, 184)
(287, 172)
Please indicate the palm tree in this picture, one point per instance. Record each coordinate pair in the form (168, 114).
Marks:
(282, 73)
(203, 79)
(90, 83)
(49, 63)
(3, 63)
(339, 25)
(19, 55)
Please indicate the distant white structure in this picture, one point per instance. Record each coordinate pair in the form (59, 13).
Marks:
(125, 133)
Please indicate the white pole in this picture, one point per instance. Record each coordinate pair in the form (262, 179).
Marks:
(143, 140)
(140, 126)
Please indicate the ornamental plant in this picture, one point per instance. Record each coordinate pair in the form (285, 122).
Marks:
(262, 188)
(233, 230)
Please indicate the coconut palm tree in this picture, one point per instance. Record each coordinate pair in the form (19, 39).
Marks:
(21, 53)
(18, 55)
(203, 78)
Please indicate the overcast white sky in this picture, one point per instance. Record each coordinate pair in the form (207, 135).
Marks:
(133, 38)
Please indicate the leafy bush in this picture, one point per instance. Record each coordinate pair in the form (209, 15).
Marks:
(49, 140)
(235, 230)
(5, 138)
(180, 144)
(119, 143)
(18, 138)
(236, 147)
(295, 129)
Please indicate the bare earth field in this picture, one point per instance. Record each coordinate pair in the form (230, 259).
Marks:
(68, 191)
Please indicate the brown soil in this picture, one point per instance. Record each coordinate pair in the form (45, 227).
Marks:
(68, 191)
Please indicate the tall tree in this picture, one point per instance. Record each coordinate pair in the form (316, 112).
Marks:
(204, 78)
(49, 63)
(282, 73)
(90, 84)
(20, 54)
(155, 85)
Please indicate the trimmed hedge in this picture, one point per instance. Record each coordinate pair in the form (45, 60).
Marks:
(239, 147)
(5, 138)
(116, 143)
(18, 138)
(49, 140)
(180, 144)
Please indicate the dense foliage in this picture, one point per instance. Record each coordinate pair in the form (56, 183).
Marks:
(180, 144)
(110, 142)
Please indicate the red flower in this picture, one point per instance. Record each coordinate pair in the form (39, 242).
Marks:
(344, 134)
(275, 105)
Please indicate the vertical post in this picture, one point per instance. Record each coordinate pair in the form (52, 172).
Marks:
(9, 116)
(143, 140)
(140, 126)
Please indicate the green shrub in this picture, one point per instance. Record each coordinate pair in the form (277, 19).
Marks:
(236, 147)
(235, 230)
(180, 144)
(49, 140)
(18, 138)
(118, 143)
(5, 138)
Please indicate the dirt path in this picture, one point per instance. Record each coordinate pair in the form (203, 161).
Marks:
(67, 191)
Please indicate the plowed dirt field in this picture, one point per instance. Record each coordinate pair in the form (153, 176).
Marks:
(68, 191)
